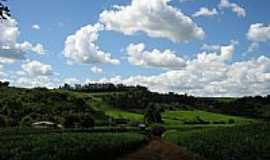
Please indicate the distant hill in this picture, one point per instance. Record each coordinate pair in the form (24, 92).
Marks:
(88, 105)
(22, 107)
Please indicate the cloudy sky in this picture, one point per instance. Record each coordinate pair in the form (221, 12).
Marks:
(199, 47)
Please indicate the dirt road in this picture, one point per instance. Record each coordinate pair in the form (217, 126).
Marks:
(159, 150)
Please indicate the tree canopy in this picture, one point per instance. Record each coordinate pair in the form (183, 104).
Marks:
(4, 10)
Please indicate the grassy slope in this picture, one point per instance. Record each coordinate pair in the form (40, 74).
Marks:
(118, 114)
(172, 119)
(178, 117)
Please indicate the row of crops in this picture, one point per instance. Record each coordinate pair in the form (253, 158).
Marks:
(68, 146)
(250, 142)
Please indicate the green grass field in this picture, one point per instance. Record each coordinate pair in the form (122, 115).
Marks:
(125, 115)
(176, 119)
(173, 118)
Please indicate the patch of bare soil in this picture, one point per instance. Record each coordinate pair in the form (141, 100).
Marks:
(158, 149)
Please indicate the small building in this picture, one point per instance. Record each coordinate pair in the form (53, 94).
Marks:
(46, 124)
(142, 126)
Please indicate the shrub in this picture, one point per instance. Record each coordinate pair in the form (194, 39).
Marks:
(198, 120)
(219, 122)
(231, 121)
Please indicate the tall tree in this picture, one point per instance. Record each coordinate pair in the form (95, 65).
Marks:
(4, 10)
(152, 114)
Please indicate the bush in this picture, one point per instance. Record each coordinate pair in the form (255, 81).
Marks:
(158, 131)
(87, 121)
(3, 121)
(153, 114)
(231, 121)
(198, 120)
(219, 122)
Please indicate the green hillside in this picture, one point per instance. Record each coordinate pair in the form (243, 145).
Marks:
(171, 119)
(71, 108)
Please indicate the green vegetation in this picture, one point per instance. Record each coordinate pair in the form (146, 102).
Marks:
(196, 117)
(4, 10)
(68, 146)
(239, 142)
(125, 115)
(22, 107)
(178, 119)
(104, 123)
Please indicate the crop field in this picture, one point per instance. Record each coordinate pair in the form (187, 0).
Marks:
(249, 142)
(174, 118)
(125, 115)
(68, 146)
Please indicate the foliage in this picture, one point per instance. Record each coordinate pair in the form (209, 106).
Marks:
(68, 146)
(117, 114)
(138, 99)
(25, 106)
(4, 84)
(257, 107)
(100, 87)
(4, 10)
(152, 114)
(240, 142)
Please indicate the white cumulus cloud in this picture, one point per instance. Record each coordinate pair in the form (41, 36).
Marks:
(2, 73)
(259, 32)
(36, 27)
(156, 18)
(31, 82)
(81, 47)
(205, 12)
(209, 74)
(240, 11)
(137, 55)
(72, 81)
(96, 70)
(10, 49)
(36, 68)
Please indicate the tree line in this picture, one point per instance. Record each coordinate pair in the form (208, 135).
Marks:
(100, 87)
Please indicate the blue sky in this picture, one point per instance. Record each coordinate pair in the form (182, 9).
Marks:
(57, 20)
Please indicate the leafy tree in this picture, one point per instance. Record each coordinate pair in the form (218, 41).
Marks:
(4, 10)
(87, 121)
(3, 121)
(72, 121)
(4, 84)
(26, 121)
(152, 114)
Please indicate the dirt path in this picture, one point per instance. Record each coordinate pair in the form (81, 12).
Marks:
(159, 150)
